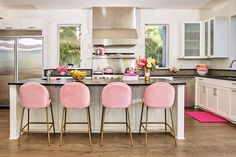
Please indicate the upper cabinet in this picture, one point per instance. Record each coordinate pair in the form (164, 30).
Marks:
(9, 24)
(192, 39)
(216, 37)
(21, 24)
(31, 24)
(208, 39)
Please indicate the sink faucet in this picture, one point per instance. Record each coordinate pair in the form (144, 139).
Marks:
(231, 64)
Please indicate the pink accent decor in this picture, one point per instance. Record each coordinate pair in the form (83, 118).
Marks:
(75, 95)
(34, 95)
(116, 95)
(205, 117)
(130, 74)
(159, 95)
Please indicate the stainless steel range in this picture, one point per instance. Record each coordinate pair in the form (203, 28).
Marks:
(112, 65)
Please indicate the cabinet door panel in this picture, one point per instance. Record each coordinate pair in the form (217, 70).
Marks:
(192, 39)
(212, 99)
(233, 105)
(223, 102)
(203, 96)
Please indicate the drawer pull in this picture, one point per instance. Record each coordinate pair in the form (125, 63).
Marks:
(233, 83)
(233, 90)
(202, 80)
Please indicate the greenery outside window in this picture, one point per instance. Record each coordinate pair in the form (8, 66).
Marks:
(156, 43)
(69, 45)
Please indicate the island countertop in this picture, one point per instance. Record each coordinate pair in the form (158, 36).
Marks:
(99, 82)
(96, 86)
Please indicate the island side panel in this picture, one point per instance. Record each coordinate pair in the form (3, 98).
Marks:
(14, 112)
(178, 112)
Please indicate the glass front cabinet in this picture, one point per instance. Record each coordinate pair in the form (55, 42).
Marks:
(207, 39)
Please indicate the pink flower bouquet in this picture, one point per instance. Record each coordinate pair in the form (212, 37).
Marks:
(62, 70)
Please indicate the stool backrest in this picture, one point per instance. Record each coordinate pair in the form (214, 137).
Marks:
(75, 95)
(116, 95)
(159, 95)
(33, 95)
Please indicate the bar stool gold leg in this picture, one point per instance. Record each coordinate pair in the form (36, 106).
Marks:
(173, 126)
(65, 121)
(165, 121)
(126, 120)
(62, 125)
(47, 126)
(89, 126)
(21, 123)
(146, 129)
(53, 124)
(28, 120)
(141, 119)
(130, 133)
(102, 124)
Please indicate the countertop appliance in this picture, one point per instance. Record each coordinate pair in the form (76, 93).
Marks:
(21, 57)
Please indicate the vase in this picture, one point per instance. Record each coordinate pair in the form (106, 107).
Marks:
(62, 73)
(147, 74)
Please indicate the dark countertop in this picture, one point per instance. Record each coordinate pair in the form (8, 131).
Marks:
(99, 82)
(228, 78)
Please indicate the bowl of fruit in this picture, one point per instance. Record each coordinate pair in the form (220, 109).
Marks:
(78, 75)
(202, 69)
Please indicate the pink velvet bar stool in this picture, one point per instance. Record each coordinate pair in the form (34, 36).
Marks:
(116, 95)
(159, 95)
(75, 95)
(33, 95)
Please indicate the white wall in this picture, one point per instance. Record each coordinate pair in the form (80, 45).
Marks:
(173, 18)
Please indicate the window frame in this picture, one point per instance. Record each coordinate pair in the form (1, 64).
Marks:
(58, 41)
(166, 43)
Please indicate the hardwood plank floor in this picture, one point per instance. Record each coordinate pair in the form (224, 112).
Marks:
(202, 140)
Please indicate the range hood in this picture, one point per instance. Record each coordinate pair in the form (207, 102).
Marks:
(114, 26)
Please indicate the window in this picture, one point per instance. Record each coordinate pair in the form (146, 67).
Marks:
(156, 43)
(69, 45)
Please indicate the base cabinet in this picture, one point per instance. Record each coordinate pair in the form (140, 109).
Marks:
(223, 101)
(212, 99)
(232, 113)
(217, 96)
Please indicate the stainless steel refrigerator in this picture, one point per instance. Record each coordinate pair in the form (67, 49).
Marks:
(20, 58)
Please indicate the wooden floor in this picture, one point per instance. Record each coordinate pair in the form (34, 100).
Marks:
(202, 140)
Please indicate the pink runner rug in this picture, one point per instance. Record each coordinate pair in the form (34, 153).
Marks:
(205, 117)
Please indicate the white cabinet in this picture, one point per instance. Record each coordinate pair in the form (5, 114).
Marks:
(232, 113)
(217, 96)
(21, 24)
(31, 24)
(202, 95)
(212, 99)
(191, 42)
(216, 37)
(3, 13)
(205, 39)
(10, 24)
(223, 101)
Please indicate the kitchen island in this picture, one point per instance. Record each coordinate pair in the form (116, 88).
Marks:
(95, 87)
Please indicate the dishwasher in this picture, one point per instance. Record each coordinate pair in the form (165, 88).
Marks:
(189, 96)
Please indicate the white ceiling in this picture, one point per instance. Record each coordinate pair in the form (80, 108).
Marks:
(75, 4)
